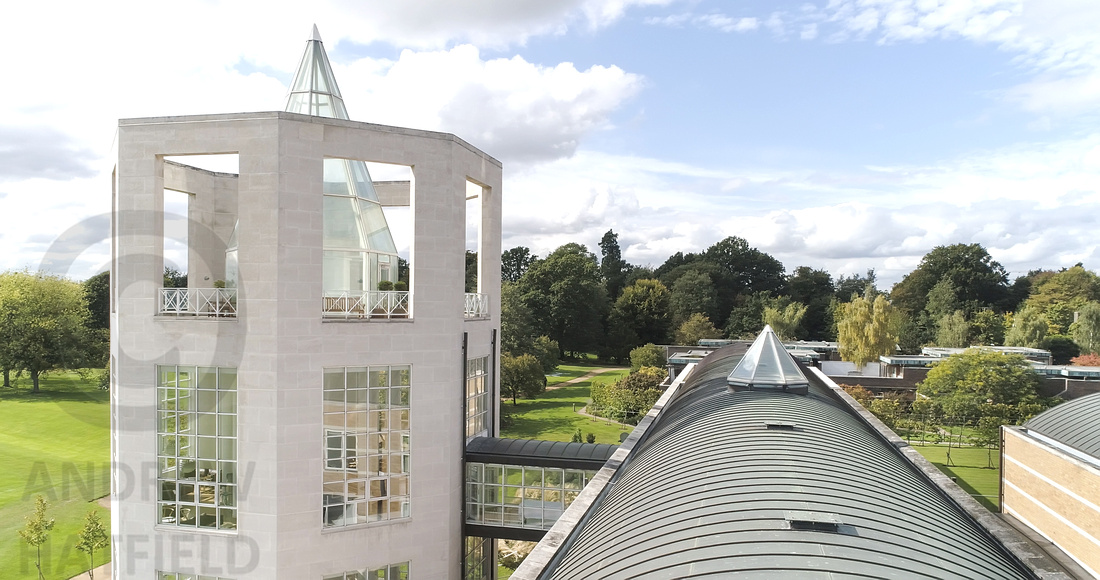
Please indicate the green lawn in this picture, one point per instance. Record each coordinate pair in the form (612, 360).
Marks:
(55, 443)
(969, 466)
(551, 417)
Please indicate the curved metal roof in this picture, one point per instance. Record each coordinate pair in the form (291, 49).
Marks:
(1075, 423)
(768, 484)
(539, 453)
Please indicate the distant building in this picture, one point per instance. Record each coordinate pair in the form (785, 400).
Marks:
(1050, 478)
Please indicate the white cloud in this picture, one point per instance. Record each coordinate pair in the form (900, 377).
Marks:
(1031, 206)
(717, 21)
(521, 111)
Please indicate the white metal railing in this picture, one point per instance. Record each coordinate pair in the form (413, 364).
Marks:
(220, 302)
(375, 304)
(477, 305)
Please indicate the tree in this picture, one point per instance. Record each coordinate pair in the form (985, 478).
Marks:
(1029, 328)
(471, 271)
(987, 328)
(517, 326)
(1086, 331)
(953, 330)
(746, 319)
(815, 289)
(45, 324)
(173, 278)
(521, 376)
(97, 292)
(864, 330)
(644, 306)
(977, 277)
(566, 298)
(784, 321)
(1086, 360)
(943, 300)
(612, 267)
(649, 355)
(1058, 295)
(37, 531)
(695, 328)
(515, 262)
(693, 292)
(92, 537)
(963, 382)
(856, 285)
(546, 351)
(1061, 347)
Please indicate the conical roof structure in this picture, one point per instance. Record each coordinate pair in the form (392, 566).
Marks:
(768, 365)
(359, 252)
(314, 91)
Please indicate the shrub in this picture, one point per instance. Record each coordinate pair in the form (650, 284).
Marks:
(385, 285)
(401, 286)
(591, 438)
(649, 355)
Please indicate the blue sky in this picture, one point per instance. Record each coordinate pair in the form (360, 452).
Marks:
(839, 134)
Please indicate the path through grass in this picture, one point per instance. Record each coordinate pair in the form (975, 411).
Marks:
(970, 470)
(55, 443)
(552, 416)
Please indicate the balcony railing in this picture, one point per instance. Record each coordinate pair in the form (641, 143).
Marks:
(477, 305)
(215, 302)
(366, 305)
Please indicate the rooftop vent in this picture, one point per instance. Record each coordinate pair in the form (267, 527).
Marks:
(780, 426)
(817, 522)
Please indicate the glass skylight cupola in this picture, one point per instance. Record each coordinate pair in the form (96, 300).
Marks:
(768, 365)
(314, 91)
(359, 252)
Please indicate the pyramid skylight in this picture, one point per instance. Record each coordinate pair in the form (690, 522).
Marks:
(359, 252)
(768, 365)
(314, 91)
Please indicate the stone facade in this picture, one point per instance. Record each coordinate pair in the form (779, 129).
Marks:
(279, 342)
(1054, 493)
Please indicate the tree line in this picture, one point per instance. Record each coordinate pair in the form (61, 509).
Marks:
(50, 323)
(958, 296)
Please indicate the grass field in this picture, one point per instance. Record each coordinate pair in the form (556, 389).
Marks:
(970, 469)
(551, 417)
(55, 443)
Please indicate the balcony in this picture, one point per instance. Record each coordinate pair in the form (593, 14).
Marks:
(477, 306)
(380, 304)
(212, 302)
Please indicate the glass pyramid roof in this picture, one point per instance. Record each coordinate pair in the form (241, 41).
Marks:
(768, 365)
(314, 91)
(353, 218)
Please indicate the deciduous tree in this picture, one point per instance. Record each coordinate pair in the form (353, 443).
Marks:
(92, 538)
(44, 324)
(521, 376)
(977, 277)
(963, 382)
(644, 306)
(785, 320)
(1029, 328)
(695, 328)
(1086, 331)
(36, 531)
(864, 330)
(566, 298)
(515, 262)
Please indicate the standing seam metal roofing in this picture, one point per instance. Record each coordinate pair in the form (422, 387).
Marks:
(711, 491)
(1075, 423)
